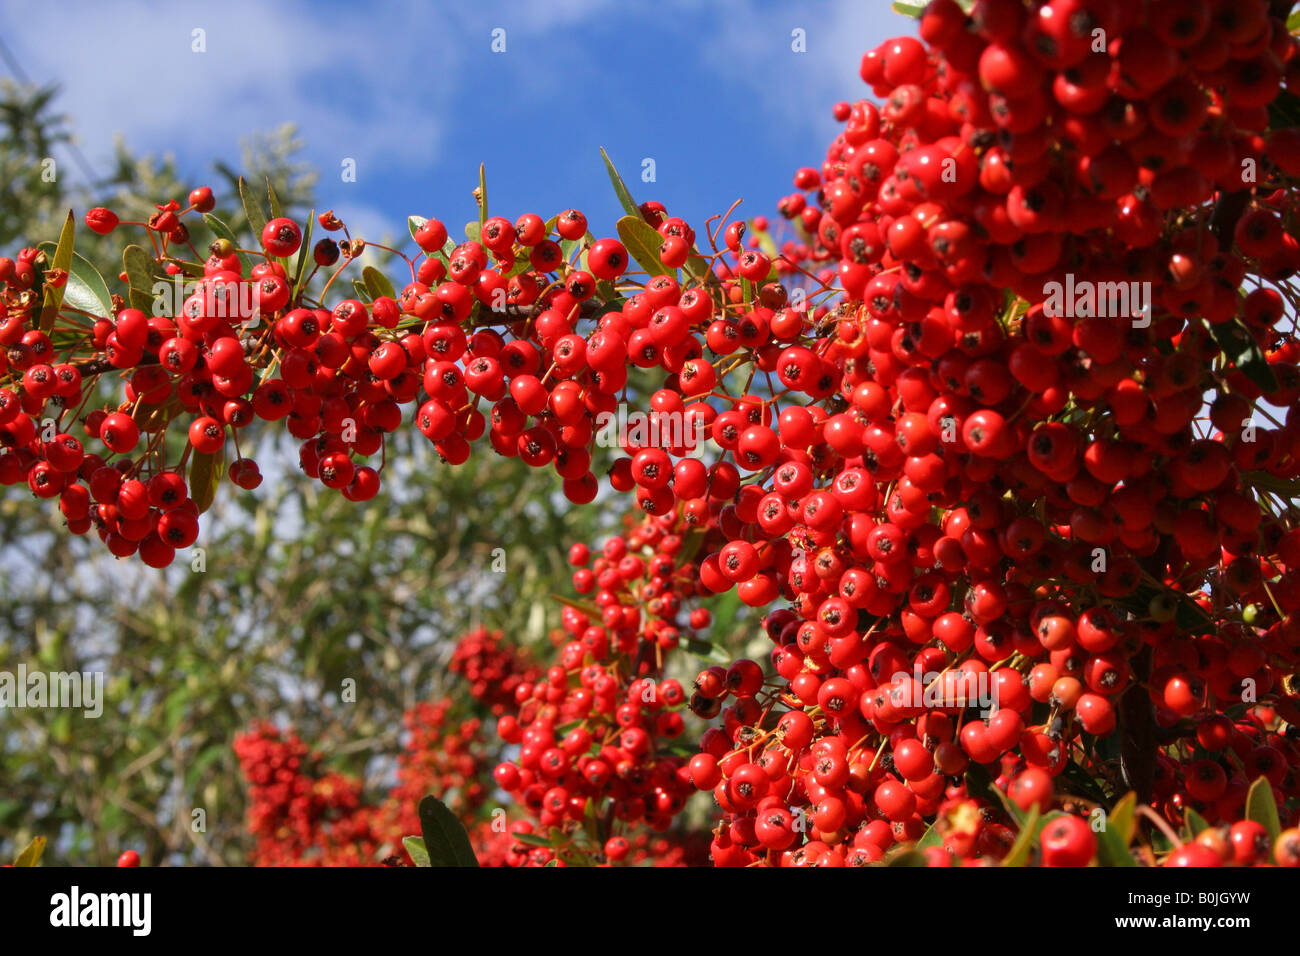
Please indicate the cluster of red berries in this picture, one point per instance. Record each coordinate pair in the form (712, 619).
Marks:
(244, 346)
(440, 755)
(1023, 509)
(596, 733)
(299, 815)
(492, 668)
(303, 815)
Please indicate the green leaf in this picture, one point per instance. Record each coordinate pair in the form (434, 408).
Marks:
(908, 858)
(978, 778)
(1244, 352)
(699, 646)
(273, 199)
(522, 265)
(377, 283)
(444, 835)
(1284, 111)
(1123, 816)
(139, 266)
(1086, 785)
(1018, 855)
(223, 231)
(913, 10)
(253, 210)
(473, 230)
(1288, 487)
(189, 270)
(1293, 22)
(727, 614)
(620, 188)
(1113, 841)
(931, 837)
(1188, 615)
(1262, 808)
(205, 475)
(642, 242)
(569, 246)
(586, 607)
(1160, 844)
(531, 839)
(481, 198)
(1196, 823)
(31, 855)
(416, 851)
(362, 292)
(707, 650)
(575, 857)
(300, 272)
(62, 259)
(86, 289)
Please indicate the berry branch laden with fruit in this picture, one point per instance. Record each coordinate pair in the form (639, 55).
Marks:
(1000, 430)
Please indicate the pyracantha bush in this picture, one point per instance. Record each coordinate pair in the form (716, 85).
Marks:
(1002, 436)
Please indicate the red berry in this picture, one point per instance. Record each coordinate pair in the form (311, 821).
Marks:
(281, 237)
(1068, 841)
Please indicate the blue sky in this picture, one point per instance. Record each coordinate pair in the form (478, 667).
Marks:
(413, 92)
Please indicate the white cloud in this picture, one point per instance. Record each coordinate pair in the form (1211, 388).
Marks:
(374, 82)
(133, 69)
